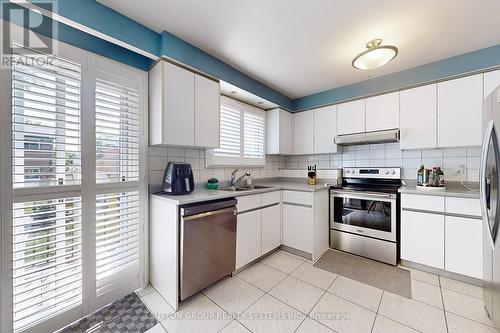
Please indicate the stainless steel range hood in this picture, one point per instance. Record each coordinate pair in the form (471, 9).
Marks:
(369, 137)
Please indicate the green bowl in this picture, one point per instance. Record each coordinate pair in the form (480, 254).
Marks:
(212, 186)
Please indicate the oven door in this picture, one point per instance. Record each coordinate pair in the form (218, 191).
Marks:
(367, 214)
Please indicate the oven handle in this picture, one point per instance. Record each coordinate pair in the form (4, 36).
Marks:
(361, 196)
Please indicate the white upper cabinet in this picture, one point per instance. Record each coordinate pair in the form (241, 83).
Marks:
(418, 114)
(171, 105)
(279, 132)
(207, 112)
(460, 112)
(182, 106)
(382, 112)
(325, 129)
(303, 133)
(491, 82)
(351, 117)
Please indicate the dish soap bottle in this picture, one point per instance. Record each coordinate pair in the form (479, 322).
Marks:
(420, 175)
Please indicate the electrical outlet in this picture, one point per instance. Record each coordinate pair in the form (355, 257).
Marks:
(461, 169)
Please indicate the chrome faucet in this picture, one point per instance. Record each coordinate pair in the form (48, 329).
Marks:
(235, 181)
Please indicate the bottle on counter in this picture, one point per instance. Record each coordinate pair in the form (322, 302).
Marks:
(311, 175)
(440, 174)
(420, 175)
(435, 177)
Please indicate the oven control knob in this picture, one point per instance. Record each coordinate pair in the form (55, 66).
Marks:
(348, 171)
(393, 172)
(353, 171)
(386, 172)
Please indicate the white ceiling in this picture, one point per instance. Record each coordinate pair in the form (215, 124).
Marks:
(302, 47)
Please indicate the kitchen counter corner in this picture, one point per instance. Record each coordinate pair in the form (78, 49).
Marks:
(453, 189)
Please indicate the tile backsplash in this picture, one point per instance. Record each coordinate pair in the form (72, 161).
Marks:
(373, 155)
(389, 155)
(160, 156)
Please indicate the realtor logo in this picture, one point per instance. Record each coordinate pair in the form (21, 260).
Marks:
(27, 34)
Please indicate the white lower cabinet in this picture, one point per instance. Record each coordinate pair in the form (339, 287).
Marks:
(443, 232)
(422, 238)
(248, 237)
(464, 246)
(258, 226)
(298, 227)
(271, 228)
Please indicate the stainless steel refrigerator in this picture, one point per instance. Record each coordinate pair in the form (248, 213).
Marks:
(490, 205)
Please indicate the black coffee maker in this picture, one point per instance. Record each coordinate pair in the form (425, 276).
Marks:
(178, 178)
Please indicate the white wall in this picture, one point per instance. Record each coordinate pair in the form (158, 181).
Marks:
(160, 156)
(389, 155)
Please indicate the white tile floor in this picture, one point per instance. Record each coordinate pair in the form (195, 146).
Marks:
(285, 293)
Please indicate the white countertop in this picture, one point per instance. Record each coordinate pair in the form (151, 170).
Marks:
(453, 189)
(201, 193)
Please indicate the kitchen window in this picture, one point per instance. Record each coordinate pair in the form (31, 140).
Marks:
(73, 237)
(241, 136)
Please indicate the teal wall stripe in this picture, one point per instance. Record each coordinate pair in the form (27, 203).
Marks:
(461, 64)
(180, 50)
(110, 22)
(90, 43)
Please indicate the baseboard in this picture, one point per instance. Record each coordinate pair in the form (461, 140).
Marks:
(442, 272)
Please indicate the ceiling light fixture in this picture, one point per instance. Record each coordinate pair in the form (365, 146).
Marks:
(377, 55)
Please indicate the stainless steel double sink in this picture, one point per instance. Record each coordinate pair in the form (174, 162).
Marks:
(244, 188)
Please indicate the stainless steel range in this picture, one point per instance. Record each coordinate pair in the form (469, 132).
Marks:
(364, 213)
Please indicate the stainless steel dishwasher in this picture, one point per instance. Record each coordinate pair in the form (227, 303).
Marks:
(207, 244)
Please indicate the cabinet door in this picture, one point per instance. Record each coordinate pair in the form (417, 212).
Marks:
(422, 238)
(464, 246)
(382, 112)
(273, 131)
(207, 112)
(491, 82)
(303, 133)
(286, 133)
(418, 113)
(248, 238)
(271, 228)
(351, 117)
(325, 130)
(178, 106)
(279, 132)
(298, 227)
(156, 104)
(460, 112)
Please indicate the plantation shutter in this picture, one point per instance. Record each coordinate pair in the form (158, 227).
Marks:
(47, 259)
(117, 132)
(117, 240)
(46, 230)
(117, 221)
(253, 135)
(45, 123)
(230, 129)
(241, 135)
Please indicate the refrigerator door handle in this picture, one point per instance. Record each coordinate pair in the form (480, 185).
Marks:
(483, 182)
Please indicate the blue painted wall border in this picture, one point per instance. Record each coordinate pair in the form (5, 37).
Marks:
(110, 22)
(435, 71)
(77, 38)
(180, 50)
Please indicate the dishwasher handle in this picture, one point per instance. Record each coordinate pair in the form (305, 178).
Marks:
(211, 213)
